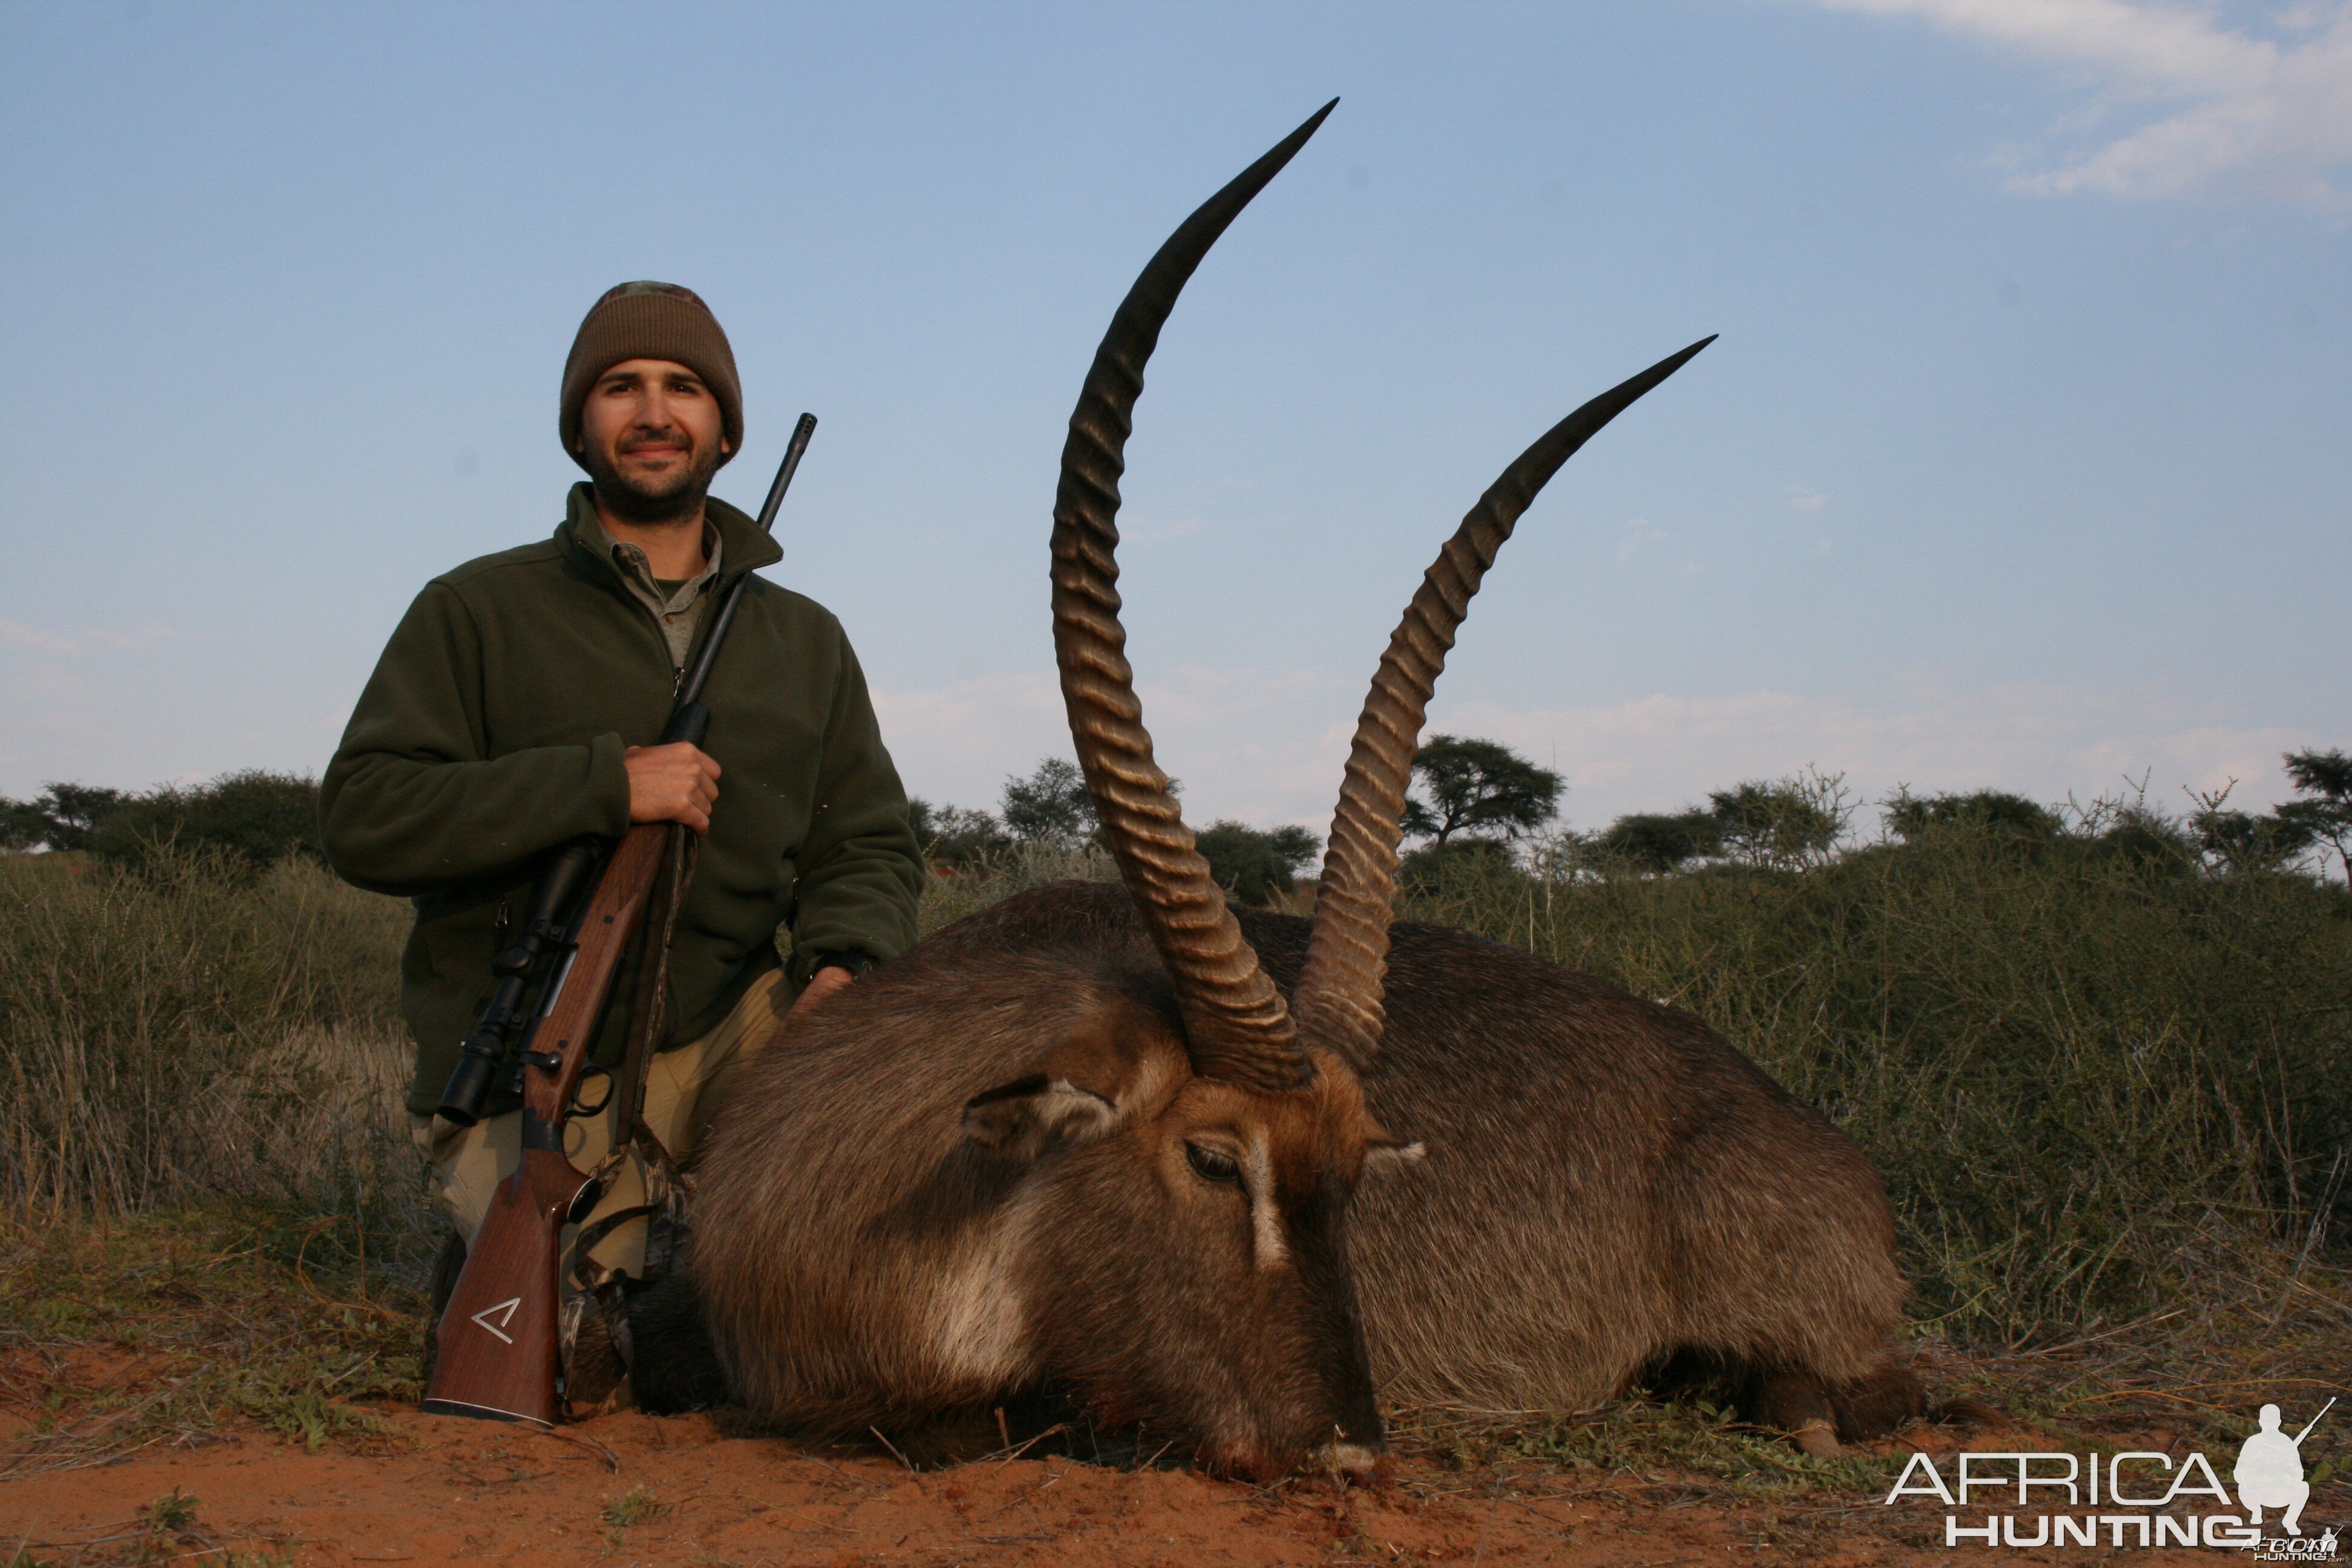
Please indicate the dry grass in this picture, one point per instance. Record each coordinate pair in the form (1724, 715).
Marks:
(970, 888)
(2112, 1104)
(182, 1035)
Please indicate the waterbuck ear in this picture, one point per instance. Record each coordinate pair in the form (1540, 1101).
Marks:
(1385, 1155)
(1025, 1118)
(1116, 1059)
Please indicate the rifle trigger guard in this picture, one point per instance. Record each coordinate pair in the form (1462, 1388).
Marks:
(579, 1110)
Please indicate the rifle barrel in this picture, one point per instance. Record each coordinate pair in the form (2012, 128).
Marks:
(689, 692)
(783, 480)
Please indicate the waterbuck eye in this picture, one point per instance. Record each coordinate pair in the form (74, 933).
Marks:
(1211, 1166)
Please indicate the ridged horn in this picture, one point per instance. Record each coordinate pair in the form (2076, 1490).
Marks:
(1338, 994)
(1236, 1026)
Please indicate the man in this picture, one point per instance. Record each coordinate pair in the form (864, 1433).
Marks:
(512, 710)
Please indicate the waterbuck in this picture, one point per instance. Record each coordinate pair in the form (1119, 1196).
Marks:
(1235, 1176)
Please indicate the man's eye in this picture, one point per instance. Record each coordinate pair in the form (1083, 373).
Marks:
(1211, 1166)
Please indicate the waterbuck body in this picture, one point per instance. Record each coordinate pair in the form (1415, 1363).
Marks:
(1609, 1189)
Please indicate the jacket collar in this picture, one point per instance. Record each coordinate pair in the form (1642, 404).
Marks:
(742, 547)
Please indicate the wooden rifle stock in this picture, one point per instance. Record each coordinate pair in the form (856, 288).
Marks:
(498, 1345)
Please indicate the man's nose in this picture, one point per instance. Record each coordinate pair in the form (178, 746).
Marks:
(652, 411)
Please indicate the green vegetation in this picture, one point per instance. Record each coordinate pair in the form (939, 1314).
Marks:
(1477, 788)
(253, 819)
(2104, 1062)
(2323, 814)
(189, 1031)
(1695, 1440)
(638, 1505)
(2105, 1077)
(208, 1208)
(165, 1327)
(1255, 864)
(1048, 817)
(1051, 805)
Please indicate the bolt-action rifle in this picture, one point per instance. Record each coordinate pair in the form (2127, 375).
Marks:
(498, 1353)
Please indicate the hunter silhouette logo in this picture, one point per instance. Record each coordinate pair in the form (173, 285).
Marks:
(2270, 1471)
(505, 1311)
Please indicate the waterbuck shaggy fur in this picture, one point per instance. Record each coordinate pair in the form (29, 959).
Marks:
(1235, 1176)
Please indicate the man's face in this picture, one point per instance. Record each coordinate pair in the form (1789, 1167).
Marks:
(651, 435)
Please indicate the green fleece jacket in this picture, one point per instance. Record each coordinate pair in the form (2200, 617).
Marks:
(493, 728)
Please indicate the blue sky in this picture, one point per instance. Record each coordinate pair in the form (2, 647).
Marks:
(2022, 460)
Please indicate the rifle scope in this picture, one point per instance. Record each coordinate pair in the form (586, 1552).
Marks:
(546, 931)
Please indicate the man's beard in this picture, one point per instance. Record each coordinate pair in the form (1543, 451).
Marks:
(675, 497)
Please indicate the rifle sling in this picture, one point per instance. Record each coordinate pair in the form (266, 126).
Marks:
(664, 1210)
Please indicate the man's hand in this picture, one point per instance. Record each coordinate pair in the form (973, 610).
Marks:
(822, 985)
(677, 783)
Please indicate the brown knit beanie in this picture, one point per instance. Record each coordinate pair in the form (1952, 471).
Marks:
(651, 321)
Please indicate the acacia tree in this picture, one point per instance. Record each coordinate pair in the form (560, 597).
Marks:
(2241, 841)
(954, 834)
(1051, 805)
(1477, 788)
(1662, 842)
(1787, 822)
(63, 815)
(2327, 778)
(2011, 816)
(1254, 864)
(253, 817)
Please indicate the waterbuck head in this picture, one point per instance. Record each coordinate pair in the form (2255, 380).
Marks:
(1189, 1234)
(1206, 1135)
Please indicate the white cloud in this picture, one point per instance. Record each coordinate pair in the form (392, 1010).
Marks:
(131, 642)
(1638, 532)
(1138, 527)
(2228, 98)
(1802, 500)
(1260, 744)
(1664, 752)
(16, 634)
(1267, 746)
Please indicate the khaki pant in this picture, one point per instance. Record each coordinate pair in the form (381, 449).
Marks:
(684, 1090)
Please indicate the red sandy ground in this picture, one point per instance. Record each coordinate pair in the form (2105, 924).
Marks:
(461, 1491)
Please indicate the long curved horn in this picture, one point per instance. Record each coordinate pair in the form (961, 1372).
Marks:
(1236, 1026)
(1339, 995)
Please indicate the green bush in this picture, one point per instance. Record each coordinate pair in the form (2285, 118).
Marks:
(1254, 864)
(253, 817)
(955, 835)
